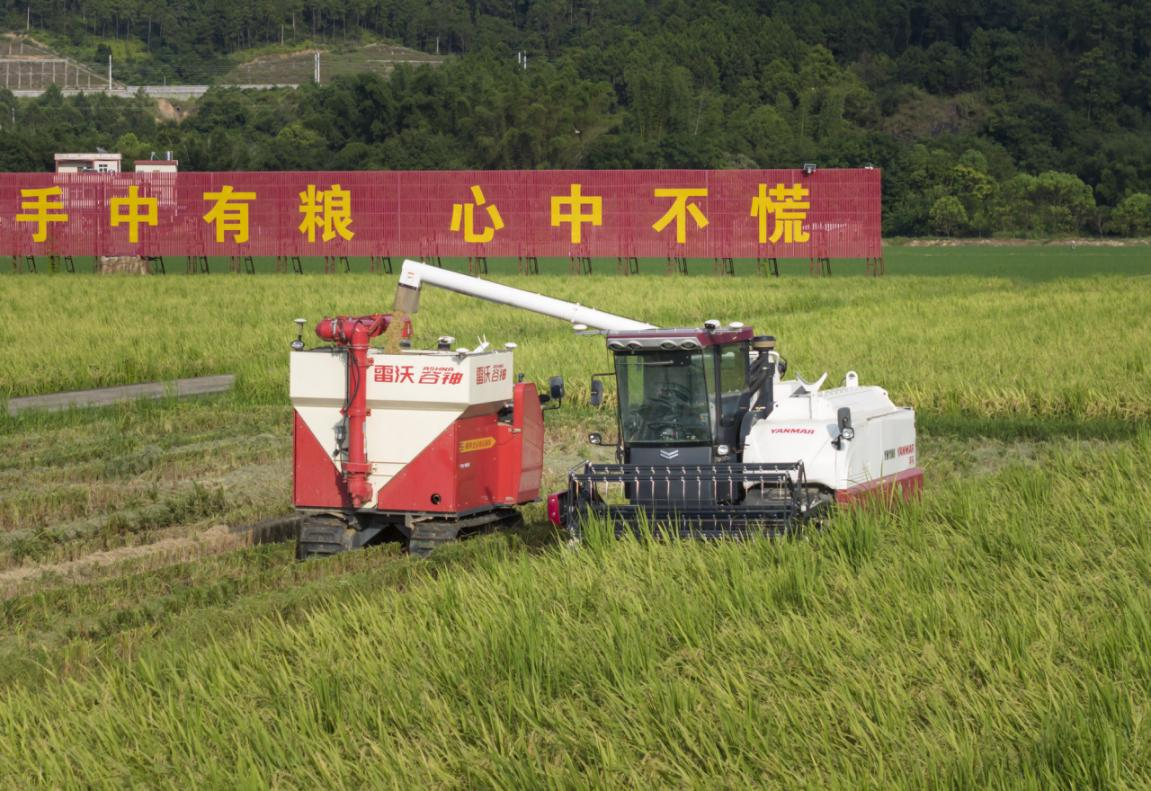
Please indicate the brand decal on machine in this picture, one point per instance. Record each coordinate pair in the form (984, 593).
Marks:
(669, 454)
(491, 373)
(902, 450)
(481, 443)
(417, 374)
(792, 430)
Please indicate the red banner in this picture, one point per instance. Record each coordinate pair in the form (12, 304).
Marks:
(596, 213)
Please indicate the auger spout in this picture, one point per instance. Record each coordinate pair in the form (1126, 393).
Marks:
(414, 275)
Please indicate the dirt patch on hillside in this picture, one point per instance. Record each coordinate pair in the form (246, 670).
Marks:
(167, 111)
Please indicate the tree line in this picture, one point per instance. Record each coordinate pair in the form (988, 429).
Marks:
(1021, 118)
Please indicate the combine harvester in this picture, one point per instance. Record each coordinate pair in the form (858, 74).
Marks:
(425, 446)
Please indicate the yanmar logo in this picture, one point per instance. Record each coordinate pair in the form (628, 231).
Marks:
(907, 450)
(793, 431)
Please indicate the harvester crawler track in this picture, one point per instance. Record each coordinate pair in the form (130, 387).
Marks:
(696, 501)
(427, 534)
(322, 535)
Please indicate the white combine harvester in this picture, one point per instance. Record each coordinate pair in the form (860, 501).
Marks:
(712, 440)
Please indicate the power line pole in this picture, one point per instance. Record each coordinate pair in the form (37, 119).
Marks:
(109, 72)
(317, 70)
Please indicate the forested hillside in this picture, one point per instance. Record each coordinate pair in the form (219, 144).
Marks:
(1026, 118)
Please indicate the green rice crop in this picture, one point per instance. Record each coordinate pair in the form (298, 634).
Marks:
(995, 634)
(1070, 344)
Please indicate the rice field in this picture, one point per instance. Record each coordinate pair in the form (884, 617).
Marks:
(997, 633)
(1038, 342)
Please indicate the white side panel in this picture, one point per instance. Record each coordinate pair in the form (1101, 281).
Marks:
(316, 378)
(316, 387)
(397, 436)
(786, 442)
(899, 449)
(804, 427)
(434, 379)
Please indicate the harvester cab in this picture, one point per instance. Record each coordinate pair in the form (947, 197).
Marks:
(712, 441)
(681, 393)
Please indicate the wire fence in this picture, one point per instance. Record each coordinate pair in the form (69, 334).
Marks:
(28, 69)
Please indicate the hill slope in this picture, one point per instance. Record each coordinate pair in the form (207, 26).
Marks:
(1031, 119)
(297, 68)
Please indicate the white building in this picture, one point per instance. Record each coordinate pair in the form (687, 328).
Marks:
(102, 162)
(157, 165)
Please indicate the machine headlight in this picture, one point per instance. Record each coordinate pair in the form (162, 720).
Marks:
(723, 450)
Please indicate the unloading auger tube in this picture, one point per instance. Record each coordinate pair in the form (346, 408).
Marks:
(414, 275)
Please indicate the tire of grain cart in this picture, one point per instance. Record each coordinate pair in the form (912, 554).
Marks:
(321, 536)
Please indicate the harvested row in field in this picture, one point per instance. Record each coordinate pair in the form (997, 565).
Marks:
(54, 402)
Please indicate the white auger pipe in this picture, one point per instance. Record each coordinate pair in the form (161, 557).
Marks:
(414, 274)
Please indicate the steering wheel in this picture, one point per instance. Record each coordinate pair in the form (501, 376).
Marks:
(672, 399)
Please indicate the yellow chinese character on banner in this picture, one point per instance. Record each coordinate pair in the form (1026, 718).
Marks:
(576, 203)
(330, 210)
(128, 211)
(41, 210)
(679, 211)
(230, 214)
(790, 210)
(467, 211)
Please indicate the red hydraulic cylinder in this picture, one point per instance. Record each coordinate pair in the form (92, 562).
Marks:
(356, 333)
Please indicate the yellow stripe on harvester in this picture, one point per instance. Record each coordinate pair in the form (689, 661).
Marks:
(483, 443)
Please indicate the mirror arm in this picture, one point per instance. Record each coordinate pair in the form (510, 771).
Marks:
(597, 393)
